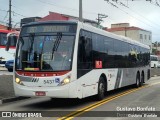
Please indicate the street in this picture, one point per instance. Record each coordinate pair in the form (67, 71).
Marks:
(125, 98)
(53, 53)
(6, 73)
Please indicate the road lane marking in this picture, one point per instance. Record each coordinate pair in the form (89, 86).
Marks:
(87, 107)
(97, 104)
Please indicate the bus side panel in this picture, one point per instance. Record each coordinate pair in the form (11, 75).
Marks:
(128, 78)
(146, 73)
(89, 81)
(75, 90)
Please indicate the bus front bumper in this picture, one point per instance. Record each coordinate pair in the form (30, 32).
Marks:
(54, 92)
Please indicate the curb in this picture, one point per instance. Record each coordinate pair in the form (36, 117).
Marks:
(3, 69)
(7, 100)
(155, 75)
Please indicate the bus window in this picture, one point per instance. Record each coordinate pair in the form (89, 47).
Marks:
(84, 53)
(3, 39)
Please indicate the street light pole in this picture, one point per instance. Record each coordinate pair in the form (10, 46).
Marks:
(125, 31)
(80, 11)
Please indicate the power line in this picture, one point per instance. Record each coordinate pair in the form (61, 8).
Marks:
(3, 22)
(18, 14)
(13, 12)
(122, 4)
(129, 14)
(67, 8)
(5, 16)
(16, 7)
(58, 6)
(71, 9)
(3, 10)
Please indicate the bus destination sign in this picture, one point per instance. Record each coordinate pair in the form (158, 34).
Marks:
(49, 28)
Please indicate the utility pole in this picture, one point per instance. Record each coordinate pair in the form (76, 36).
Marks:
(100, 17)
(80, 11)
(10, 17)
(125, 31)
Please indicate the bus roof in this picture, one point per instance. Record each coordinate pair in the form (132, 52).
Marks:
(50, 22)
(92, 29)
(112, 35)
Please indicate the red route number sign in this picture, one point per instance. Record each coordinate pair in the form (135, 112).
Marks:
(98, 64)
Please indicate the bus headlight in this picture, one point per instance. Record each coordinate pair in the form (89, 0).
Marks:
(18, 81)
(65, 81)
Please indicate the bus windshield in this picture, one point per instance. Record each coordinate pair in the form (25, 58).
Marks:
(154, 58)
(45, 53)
(45, 47)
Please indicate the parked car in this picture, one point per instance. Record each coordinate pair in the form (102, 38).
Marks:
(9, 65)
(154, 61)
(158, 66)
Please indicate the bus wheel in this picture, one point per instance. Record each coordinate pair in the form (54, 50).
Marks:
(101, 89)
(10, 70)
(137, 81)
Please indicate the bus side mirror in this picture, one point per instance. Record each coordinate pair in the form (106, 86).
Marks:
(8, 43)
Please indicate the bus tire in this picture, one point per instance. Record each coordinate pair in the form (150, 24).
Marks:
(137, 81)
(10, 70)
(101, 89)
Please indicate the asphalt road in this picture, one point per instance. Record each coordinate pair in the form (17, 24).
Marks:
(125, 98)
(6, 73)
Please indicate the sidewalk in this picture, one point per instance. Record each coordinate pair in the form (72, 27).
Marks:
(2, 68)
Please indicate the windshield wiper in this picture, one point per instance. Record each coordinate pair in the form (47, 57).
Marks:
(56, 43)
(31, 37)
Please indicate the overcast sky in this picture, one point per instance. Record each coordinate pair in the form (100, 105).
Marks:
(139, 13)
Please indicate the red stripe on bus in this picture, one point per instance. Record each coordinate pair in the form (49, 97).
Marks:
(42, 74)
(4, 31)
(12, 47)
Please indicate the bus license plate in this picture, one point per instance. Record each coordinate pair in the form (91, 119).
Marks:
(40, 93)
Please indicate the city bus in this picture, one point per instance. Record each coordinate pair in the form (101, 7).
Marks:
(64, 59)
(154, 61)
(6, 55)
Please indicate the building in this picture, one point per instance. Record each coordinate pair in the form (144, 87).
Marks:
(156, 48)
(58, 16)
(132, 32)
(29, 19)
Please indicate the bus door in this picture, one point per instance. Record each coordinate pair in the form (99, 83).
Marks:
(84, 60)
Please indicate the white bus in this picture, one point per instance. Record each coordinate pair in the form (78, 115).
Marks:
(6, 55)
(154, 61)
(75, 60)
